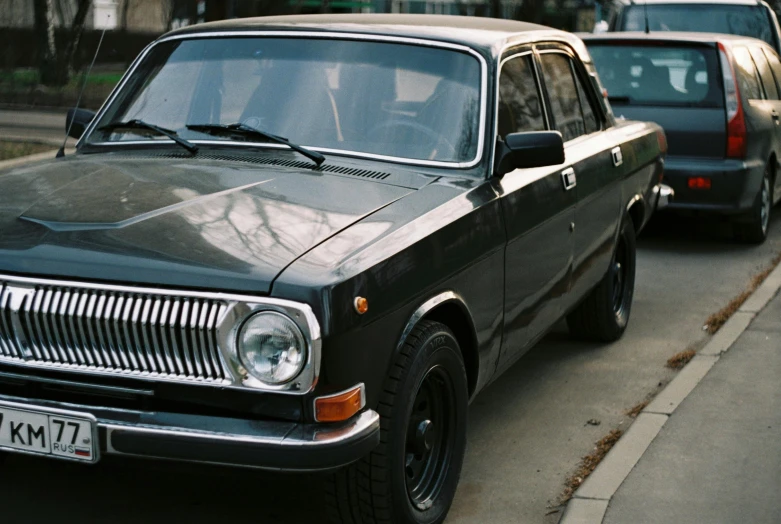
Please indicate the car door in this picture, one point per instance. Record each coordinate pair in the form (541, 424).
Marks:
(770, 72)
(538, 209)
(758, 111)
(595, 161)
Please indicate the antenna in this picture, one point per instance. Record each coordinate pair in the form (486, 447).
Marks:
(645, 14)
(61, 151)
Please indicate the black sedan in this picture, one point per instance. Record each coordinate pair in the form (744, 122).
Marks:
(717, 98)
(306, 243)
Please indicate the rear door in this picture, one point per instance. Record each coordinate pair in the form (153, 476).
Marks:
(772, 100)
(595, 161)
(538, 210)
(775, 68)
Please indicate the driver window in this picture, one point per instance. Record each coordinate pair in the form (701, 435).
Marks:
(520, 108)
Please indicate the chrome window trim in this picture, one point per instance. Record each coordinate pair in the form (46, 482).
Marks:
(333, 35)
(238, 308)
(536, 81)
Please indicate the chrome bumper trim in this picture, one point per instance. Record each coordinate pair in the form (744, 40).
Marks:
(272, 445)
(664, 195)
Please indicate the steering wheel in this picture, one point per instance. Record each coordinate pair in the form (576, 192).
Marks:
(436, 138)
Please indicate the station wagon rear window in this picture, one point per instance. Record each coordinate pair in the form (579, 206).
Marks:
(390, 99)
(659, 75)
(744, 20)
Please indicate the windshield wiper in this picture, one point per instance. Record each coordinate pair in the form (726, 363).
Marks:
(140, 124)
(619, 99)
(245, 130)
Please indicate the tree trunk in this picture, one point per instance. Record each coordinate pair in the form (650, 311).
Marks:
(44, 30)
(66, 61)
(123, 15)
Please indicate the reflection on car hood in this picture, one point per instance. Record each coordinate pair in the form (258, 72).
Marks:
(204, 224)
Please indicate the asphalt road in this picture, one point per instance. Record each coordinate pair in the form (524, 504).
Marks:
(47, 127)
(527, 431)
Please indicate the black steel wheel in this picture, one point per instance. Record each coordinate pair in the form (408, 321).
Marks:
(411, 477)
(604, 314)
(754, 231)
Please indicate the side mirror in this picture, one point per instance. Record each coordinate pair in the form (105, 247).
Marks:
(533, 149)
(80, 118)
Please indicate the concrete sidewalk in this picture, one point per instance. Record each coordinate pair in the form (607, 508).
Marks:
(718, 457)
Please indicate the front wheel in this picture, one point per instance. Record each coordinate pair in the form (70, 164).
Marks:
(604, 313)
(755, 230)
(411, 477)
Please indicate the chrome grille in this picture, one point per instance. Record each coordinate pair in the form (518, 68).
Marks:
(112, 331)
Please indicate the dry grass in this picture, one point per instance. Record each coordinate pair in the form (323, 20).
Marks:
(718, 319)
(589, 463)
(679, 360)
(632, 413)
(9, 150)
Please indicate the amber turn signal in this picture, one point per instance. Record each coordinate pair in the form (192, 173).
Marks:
(361, 305)
(340, 406)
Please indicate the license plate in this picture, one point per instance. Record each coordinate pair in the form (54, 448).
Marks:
(55, 433)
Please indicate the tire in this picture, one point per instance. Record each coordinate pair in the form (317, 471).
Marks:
(604, 314)
(412, 475)
(755, 230)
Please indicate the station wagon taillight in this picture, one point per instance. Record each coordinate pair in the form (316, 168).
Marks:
(736, 122)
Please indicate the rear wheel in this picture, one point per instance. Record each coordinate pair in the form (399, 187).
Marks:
(755, 230)
(604, 313)
(411, 477)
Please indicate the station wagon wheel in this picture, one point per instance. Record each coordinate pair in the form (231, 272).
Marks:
(604, 314)
(411, 477)
(754, 231)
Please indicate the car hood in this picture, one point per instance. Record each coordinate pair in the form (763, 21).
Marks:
(175, 222)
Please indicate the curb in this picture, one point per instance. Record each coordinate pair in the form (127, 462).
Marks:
(589, 503)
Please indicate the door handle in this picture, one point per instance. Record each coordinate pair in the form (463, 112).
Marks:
(618, 156)
(568, 179)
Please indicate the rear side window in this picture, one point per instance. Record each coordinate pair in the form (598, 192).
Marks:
(589, 115)
(655, 75)
(768, 82)
(775, 65)
(744, 20)
(563, 95)
(747, 74)
(520, 108)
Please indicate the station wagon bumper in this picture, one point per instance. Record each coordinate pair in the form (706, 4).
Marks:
(275, 445)
(733, 184)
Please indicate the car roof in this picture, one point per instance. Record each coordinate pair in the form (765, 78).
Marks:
(672, 37)
(489, 35)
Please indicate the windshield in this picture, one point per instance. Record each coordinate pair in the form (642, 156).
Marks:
(388, 99)
(654, 75)
(744, 20)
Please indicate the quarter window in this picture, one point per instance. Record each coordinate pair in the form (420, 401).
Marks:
(764, 73)
(563, 95)
(775, 66)
(589, 115)
(520, 108)
(747, 74)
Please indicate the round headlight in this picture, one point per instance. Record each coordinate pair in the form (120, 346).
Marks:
(272, 347)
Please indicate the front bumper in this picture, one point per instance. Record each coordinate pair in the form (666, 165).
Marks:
(275, 445)
(734, 183)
